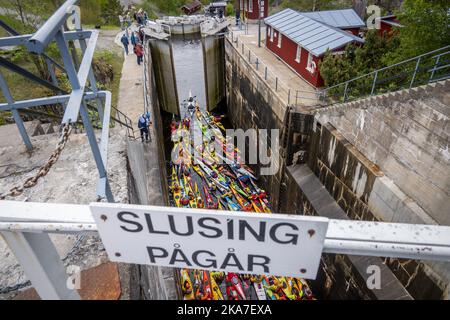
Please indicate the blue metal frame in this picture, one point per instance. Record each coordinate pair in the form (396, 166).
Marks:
(75, 103)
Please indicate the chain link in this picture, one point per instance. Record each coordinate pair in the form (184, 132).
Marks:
(43, 170)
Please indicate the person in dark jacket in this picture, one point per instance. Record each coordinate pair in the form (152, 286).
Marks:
(133, 39)
(139, 52)
(143, 127)
(125, 43)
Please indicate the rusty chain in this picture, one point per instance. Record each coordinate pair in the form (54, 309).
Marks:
(44, 169)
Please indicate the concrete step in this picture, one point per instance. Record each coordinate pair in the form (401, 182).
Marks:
(34, 128)
(48, 128)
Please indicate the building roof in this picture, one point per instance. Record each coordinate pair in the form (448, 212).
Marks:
(390, 20)
(345, 18)
(192, 5)
(314, 36)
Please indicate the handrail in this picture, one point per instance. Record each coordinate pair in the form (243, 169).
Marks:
(392, 66)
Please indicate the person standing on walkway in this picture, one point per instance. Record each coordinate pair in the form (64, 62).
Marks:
(141, 34)
(143, 127)
(139, 52)
(125, 42)
(133, 39)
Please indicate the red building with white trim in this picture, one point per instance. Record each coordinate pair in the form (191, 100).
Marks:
(250, 8)
(301, 42)
(387, 25)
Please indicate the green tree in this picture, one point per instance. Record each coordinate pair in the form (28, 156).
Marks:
(25, 16)
(425, 28)
(110, 11)
(356, 60)
(337, 68)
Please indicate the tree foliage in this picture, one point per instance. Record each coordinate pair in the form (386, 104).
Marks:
(110, 11)
(337, 68)
(425, 28)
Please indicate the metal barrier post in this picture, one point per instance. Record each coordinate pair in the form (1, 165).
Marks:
(345, 91)
(276, 84)
(434, 68)
(42, 264)
(374, 83)
(265, 73)
(415, 72)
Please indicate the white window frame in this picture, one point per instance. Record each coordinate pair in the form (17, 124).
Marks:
(279, 40)
(298, 54)
(250, 5)
(309, 63)
(271, 33)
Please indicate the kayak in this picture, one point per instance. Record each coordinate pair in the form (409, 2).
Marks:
(211, 179)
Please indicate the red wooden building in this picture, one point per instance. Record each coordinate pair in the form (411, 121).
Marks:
(387, 24)
(192, 7)
(301, 42)
(250, 8)
(344, 19)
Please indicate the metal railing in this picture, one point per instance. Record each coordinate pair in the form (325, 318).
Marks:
(291, 95)
(123, 121)
(146, 82)
(25, 227)
(423, 69)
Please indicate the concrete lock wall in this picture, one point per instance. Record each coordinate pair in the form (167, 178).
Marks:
(185, 28)
(162, 57)
(409, 141)
(252, 104)
(377, 157)
(214, 68)
(148, 185)
(348, 185)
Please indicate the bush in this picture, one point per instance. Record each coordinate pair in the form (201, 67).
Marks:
(229, 10)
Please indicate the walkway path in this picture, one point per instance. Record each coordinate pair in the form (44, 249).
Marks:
(290, 86)
(131, 91)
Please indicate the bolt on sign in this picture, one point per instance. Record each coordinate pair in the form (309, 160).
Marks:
(280, 245)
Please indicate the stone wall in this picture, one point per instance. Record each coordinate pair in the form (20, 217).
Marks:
(214, 67)
(377, 157)
(407, 136)
(253, 104)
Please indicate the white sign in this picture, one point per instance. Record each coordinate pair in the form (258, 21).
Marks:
(241, 242)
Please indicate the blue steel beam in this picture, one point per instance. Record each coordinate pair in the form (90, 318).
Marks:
(92, 81)
(102, 183)
(15, 113)
(25, 104)
(96, 152)
(24, 39)
(78, 81)
(41, 39)
(27, 74)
